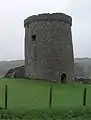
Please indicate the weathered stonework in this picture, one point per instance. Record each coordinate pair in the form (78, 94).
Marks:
(18, 72)
(49, 48)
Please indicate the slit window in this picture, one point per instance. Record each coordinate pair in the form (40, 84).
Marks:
(33, 37)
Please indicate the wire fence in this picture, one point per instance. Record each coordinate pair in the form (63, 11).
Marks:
(50, 98)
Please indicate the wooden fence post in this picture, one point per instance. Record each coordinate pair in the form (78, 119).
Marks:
(6, 96)
(84, 97)
(50, 98)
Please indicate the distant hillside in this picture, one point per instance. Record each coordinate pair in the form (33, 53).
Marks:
(82, 66)
(6, 65)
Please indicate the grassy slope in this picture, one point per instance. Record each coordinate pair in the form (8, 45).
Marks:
(35, 94)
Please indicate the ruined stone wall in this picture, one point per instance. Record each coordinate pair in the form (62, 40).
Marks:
(18, 72)
(48, 47)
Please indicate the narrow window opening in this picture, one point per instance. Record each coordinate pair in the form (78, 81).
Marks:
(33, 37)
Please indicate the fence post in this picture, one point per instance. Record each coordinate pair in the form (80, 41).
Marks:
(6, 93)
(50, 98)
(84, 97)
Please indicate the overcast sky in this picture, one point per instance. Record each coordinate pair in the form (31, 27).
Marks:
(13, 13)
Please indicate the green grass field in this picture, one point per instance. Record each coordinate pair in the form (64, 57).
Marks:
(35, 94)
(29, 100)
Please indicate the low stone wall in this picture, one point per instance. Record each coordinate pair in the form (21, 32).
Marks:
(18, 72)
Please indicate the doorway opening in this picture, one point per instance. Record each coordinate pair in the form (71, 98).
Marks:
(63, 78)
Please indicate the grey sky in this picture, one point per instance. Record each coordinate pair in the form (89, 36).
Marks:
(13, 13)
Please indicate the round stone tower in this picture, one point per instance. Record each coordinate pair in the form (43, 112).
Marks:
(48, 48)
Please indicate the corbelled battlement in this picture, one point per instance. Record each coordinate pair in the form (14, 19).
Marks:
(49, 17)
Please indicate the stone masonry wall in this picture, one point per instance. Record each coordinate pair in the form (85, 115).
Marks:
(48, 47)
